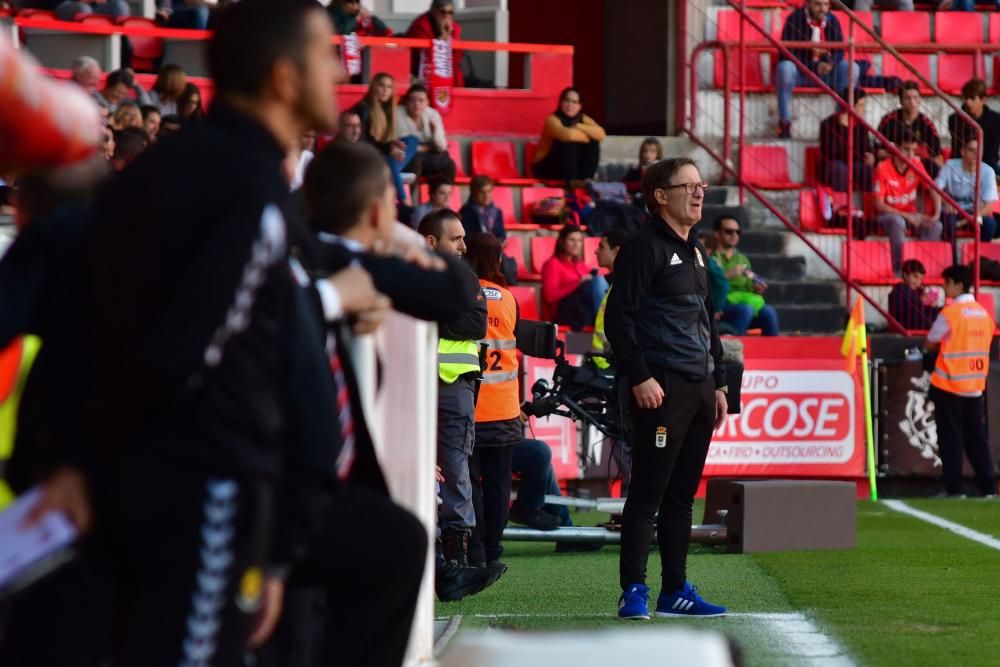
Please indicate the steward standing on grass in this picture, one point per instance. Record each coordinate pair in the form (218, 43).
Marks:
(659, 321)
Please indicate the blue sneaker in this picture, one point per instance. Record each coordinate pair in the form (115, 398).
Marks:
(685, 603)
(633, 605)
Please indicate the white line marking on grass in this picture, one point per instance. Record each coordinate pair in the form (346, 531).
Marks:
(967, 533)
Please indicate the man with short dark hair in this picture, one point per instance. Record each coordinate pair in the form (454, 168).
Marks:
(958, 179)
(151, 119)
(974, 104)
(660, 323)
(745, 307)
(897, 182)
(908, 115)
(204, 462)
(349, 127)
(117, 87)
(961, 335)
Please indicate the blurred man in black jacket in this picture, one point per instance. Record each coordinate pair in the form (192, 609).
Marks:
(660, 325)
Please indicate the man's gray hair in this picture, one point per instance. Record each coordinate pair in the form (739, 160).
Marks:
(84, 63)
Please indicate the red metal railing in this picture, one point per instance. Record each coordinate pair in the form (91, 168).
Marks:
(741, 46)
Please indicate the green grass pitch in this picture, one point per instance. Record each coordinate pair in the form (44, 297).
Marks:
(910, 593)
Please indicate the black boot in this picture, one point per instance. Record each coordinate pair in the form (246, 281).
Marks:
(452, 582)
(538, 519)
(455, 545)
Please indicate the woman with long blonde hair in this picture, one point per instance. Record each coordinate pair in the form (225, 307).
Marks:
(377, 111)
(169, 85)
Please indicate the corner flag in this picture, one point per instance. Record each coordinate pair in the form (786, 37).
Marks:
(856, 345)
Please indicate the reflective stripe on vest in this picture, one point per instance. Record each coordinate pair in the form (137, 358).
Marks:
(599, 343)
(15, 362)
(499, 395)
(456, 358)
(963, 362)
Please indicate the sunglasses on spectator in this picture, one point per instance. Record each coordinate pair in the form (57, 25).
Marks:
(689, 188)
(731, 230)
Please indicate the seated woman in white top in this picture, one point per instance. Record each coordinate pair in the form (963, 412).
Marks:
(415, 117)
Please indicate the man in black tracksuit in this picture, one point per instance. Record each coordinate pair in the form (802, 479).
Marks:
(659, 323)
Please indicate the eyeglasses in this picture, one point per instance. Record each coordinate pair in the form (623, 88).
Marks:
(731, 230)
(689, 188)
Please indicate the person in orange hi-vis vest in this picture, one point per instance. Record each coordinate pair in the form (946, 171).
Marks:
(962, 334)
(498, 408)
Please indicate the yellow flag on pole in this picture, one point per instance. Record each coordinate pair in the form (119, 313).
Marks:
(855, 338)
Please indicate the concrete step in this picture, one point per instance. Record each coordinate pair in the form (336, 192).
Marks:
(775, 267)
(763, 241)
(804, 293)
(810, 318)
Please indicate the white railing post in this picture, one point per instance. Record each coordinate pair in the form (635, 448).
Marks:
(402, 417)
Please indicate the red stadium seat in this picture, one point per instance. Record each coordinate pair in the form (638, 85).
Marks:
(455, 151)
(811, 167)
(986, 299)
(99, 19)
(728, 29)
(958, 27)
(454, 202)
(766, 167)
(860, 36)
(43, 14)
(870, 262)
(954, 69)
(590, 244)
(514, 248)
(146, 51)
(527, 301)
(495, 159)
(530, 196)
(529, 156)
(810, 218)
(503, 198)
(934, 255)
(990, 250)
(906, 28)
(542, 247)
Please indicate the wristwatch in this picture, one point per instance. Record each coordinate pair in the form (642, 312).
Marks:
(724, 389)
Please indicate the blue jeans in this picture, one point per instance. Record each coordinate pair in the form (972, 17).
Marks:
(963, 6)
(789, 76)
(532, 459)
(741, 318)
(412, 145)
(579, 308)
(190, 18)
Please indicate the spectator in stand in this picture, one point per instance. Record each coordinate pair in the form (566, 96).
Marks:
(812, 22)
(571, 291)
(350, 17)
(117, 87)
(68, 11)
(570, 146)
(833, 134)
(168, 88)
(958, 179)
(86, 72)
(896, 185)
(650, 151)
(436, 23)
(184, 14)
(126, 115)
(189, 104)
(439, 192)
(349, 127)
(415, 117)
(910, 303)
(151, 118)
(168, 125)
(974, 104)
(909, 115)
(377, 112)
(745, 306)
(718, 285)
(958, 5)
(480, 214)
(128, 146)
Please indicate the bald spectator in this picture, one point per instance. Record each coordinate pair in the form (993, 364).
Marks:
(86, 73)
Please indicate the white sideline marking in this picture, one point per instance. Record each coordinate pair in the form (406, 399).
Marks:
(800, 638)
(967, 533)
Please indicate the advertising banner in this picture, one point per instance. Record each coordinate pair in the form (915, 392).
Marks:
(801, 418)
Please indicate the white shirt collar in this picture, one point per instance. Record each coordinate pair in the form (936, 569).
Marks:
(350, 244)
(964, 298)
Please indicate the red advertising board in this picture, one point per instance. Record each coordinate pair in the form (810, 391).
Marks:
(801, 418)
